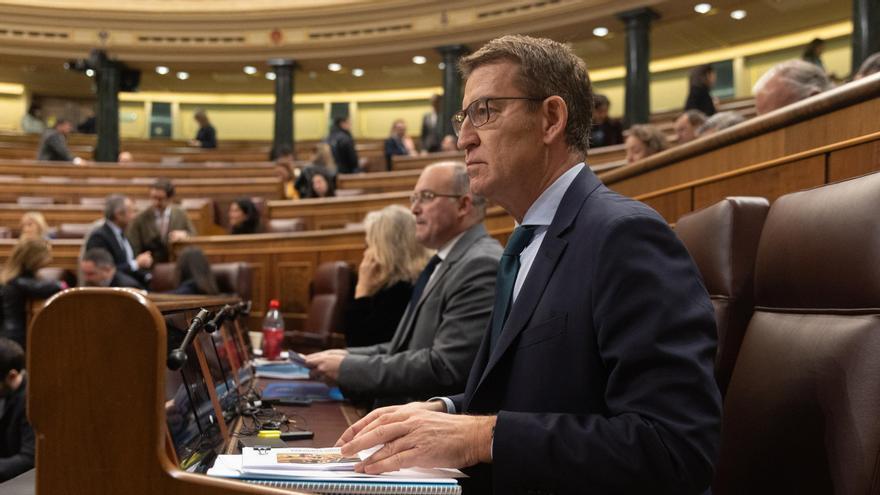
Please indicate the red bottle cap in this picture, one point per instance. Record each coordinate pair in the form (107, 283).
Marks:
(274, 304)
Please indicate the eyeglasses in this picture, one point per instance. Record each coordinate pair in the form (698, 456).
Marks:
(426, 196)
(479, 113)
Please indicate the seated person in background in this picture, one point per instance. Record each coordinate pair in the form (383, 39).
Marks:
(17, 446)
(323, 165)
(118, 214)
(125, 157)
(702, 79)
(392, 262)
(871, 65)
(206, 137)
(53, 144)
(244, 217)
(342, 146)
(398, 143)
(97, 269)
(89, 124)
(718, 122)
(285, 167)
(787, 83)
(194, 274)
(32, 122)
(643, 141)
(449, 143)
(437, 338)
(605, 130)
(20, 284)
(154, 229)
(686, 125)
(33, 226)
(322, 186)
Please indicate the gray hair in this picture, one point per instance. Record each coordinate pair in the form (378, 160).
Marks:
(113, 204)
(100, 257)
(695, 117)
(804, 78)
(720, 121)
(461, 184)
(870, 66)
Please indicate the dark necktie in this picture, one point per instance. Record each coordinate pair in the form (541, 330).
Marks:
(422, 281)
(506, 279)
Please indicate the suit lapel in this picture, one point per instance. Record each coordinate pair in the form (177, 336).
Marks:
(551, 250)
(401, 336)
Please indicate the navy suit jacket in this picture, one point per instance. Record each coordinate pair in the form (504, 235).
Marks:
(103, 237)
(602, 376)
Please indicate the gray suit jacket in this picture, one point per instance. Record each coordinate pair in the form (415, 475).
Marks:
(144, 235)
(435, 344)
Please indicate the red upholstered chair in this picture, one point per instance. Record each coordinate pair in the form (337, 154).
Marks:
(801, 412)
(231, 278)
(723, 241)
(331, 289)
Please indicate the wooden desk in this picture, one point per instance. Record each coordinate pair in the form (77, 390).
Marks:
(33, 168)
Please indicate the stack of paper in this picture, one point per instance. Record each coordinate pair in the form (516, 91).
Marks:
(326, 471)
(283, 370)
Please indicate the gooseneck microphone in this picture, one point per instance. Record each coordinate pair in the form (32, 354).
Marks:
(177, 357)
(215, 323)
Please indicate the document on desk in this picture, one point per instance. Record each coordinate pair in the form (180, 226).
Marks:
(327, 459)
(405, 481)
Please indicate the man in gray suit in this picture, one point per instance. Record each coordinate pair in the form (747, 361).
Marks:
(53, 144)
(437, 338)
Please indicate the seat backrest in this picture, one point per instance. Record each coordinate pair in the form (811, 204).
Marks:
(723, 241)
(164, 278)
(234, 278)
(5, 233)
(34, 200)
(331, 289)
(801, 412)
(286, 225)
(73, 230)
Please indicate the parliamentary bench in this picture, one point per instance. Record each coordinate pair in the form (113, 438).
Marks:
(847, 112)
(71, 190)
(33, 168)
(199, 210)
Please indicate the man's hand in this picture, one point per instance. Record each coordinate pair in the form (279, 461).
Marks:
(177, 235)
(417, 437)
(144, 260)
(325, 364)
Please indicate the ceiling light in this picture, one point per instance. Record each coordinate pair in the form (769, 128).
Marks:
(183, 76)
(600, 31)
(702, 8)
(738, 14)
(90, 72)
(441, 65)
(334, 67)
(250, 70)
(357, 72)
(162, 70)
(419, 60)
(270, 76)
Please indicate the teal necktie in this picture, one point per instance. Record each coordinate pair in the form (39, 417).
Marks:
(506, 279)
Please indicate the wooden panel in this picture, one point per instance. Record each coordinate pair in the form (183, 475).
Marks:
(32, 168)
(673, 205)
(324, 213)
(854, 161)
(378, 182)
(769, 183)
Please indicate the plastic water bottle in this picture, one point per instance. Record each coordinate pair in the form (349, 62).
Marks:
(273, 331)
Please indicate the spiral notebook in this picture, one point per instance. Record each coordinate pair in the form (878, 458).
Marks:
(405, 482)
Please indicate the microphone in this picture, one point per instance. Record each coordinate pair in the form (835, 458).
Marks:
(243, 308)
(177, 357)
(213, 325)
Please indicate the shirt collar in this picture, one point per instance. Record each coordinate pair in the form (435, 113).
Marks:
(444, 251)
(544, 208)
(115, 228)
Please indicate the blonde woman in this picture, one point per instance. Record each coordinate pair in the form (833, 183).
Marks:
(33, 226)
(21, 284)
(392, 262)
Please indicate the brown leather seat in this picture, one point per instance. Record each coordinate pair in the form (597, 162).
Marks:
(232, 278)
(331, 289)
(723, 241)
(286, 225)
(801, 412)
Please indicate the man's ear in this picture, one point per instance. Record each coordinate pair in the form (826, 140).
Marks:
(555, 113)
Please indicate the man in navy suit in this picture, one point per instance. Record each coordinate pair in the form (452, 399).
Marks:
(595, 375)
(118, 214)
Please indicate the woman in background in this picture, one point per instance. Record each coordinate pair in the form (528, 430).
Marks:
(33, 226)
(643, 141)
(244, 217)
(813, 53)
(20, 284)
(392, 262)
(699, 97)
(194, 275)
